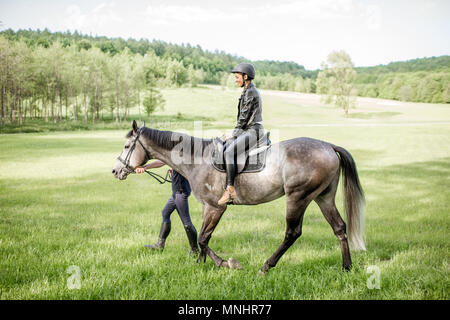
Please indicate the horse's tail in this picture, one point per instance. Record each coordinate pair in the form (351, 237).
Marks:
(354, 201)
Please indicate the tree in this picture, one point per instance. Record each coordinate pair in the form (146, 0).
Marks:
(194, 77)
(176, 73)
(336, 81)
(405, 93)
(152, 100)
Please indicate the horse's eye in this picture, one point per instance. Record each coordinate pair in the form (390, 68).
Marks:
(127, 146)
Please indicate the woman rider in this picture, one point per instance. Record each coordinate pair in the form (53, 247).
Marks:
(248, 128)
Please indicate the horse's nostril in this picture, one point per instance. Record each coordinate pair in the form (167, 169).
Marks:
(114, 171)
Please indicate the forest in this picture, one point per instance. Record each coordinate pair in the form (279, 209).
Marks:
(417, 80)
(65, 75)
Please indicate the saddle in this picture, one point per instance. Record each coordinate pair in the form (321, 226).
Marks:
(251, 160)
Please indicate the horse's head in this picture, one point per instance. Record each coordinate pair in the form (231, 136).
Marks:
(133, 154)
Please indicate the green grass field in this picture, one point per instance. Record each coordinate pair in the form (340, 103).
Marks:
(60, 206)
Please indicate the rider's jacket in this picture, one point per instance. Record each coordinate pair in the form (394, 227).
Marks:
(249, 110)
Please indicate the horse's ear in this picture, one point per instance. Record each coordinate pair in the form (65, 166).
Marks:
(143, 125)
(134, 126)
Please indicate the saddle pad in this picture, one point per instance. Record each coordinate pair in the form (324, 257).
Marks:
(251, 161)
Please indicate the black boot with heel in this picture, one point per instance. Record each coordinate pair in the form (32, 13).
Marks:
(163, 233)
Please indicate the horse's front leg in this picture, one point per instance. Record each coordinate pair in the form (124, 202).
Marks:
(211, 217)
(202, 255)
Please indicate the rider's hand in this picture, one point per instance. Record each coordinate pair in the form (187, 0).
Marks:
(139, 169)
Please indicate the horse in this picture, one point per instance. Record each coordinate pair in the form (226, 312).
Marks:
(302, 169)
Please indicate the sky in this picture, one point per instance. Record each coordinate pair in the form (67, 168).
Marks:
(304, 31)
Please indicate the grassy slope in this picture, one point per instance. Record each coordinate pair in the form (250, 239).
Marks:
(60, 206)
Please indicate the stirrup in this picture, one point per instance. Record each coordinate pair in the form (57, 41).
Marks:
(228, 201)
(230, 198)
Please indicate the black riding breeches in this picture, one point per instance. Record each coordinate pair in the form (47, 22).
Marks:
(242, 143)
(178, 201)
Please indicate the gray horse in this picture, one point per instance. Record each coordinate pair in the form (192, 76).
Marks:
(303, 169)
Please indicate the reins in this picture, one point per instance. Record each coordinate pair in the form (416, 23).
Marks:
(159, 178)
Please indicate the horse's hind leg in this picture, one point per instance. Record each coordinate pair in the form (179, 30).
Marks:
(296, 206)
(326, 202)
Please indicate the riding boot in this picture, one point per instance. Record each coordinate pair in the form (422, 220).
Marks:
(231, 173)
(163, 233)
(192, 236)
(228, 196)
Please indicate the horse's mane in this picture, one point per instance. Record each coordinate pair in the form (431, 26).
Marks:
(165, 139)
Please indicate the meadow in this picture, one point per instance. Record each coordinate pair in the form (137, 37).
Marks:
(60, 206)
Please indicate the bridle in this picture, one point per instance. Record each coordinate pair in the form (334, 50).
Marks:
(130, 169)
(126, 162)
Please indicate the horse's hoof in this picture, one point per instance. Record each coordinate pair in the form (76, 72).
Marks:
(201, 258)
(347, 268)
(234, 264)
(264, 269)
(262, 273)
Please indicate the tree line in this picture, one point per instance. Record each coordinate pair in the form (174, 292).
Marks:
(59, 82)
(66, 75)
(213, 64)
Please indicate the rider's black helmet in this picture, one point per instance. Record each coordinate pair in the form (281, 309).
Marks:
(246, 68)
